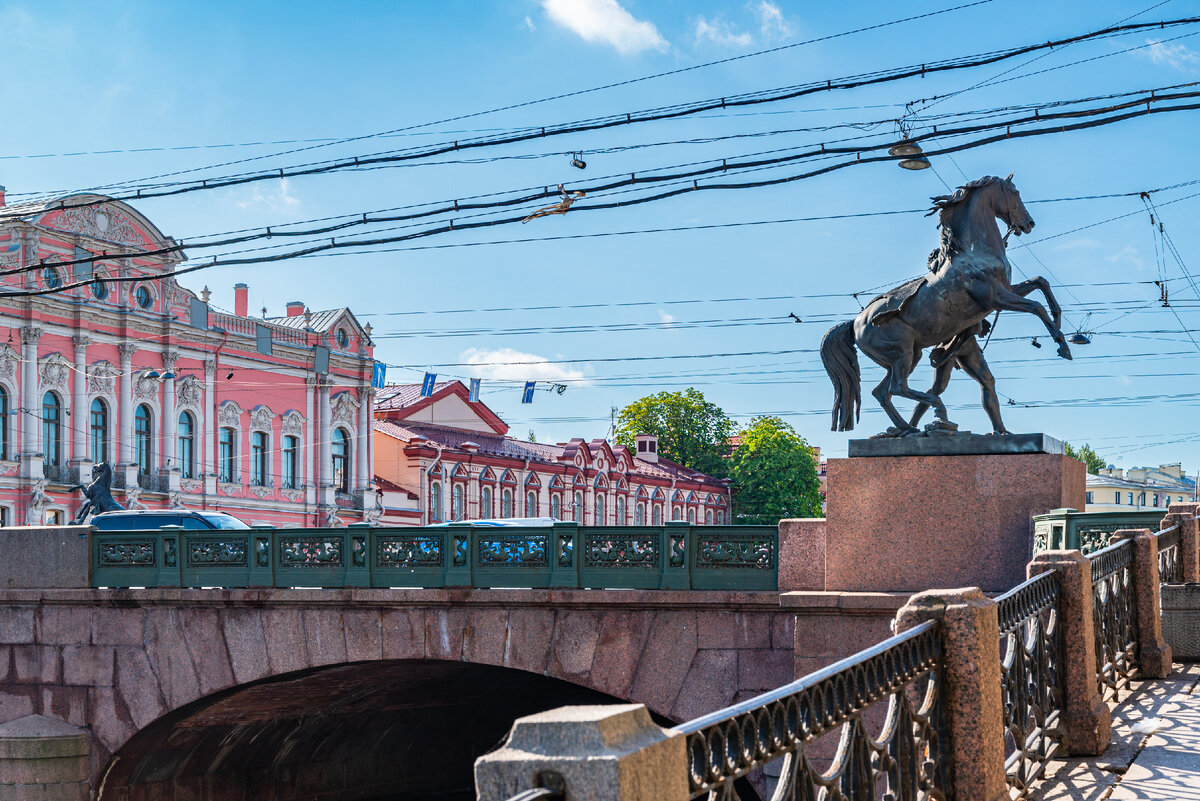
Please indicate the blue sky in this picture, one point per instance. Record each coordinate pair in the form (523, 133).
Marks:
(82, 78)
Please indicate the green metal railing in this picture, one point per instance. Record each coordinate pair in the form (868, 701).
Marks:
(1067, 529)
(676, 556)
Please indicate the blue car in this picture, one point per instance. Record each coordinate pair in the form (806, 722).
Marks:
(150, 519)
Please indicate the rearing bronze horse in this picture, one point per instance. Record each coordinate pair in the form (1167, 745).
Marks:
(969, 278)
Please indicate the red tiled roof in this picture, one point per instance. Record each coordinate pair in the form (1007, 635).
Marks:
(397, 396)
(391, 486)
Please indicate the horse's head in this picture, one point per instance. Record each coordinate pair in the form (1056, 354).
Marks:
(1010, 208)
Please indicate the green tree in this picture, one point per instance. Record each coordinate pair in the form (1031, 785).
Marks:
(1093, 461)
(774, 474)
(690, 430)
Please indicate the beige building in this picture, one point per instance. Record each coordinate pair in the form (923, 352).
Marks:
(1139, 488)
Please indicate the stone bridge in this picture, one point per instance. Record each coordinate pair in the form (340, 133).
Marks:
(357, 694)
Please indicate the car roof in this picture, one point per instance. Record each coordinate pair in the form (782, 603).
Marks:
(158, 512)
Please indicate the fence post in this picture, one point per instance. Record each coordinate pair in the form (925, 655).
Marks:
(1086, 719)
(971, 673)
(600, 753)
(1184, 515)
(1154, 655)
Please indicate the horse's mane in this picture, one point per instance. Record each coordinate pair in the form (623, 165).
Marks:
(943, 206)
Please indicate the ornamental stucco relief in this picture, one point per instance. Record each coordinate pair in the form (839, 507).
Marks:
(187, 391)
(54, 372)
(344, 406)
(230, 414)
(102, 378)
(293, 423)
(261, 417)
(101, 222)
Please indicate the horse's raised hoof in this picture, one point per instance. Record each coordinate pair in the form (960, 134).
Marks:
(1064, 351)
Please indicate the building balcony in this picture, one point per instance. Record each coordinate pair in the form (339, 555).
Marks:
(60, 474)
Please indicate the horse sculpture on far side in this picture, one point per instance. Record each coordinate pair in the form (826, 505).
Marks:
(969, 277)
(97, 495)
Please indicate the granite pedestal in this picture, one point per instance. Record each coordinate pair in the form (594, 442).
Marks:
(942, 511)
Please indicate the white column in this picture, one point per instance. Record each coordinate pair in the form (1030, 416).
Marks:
(30, 405)
(126, 349)
(362, 465)
(310, 441)
(208, 415)
(170, 418)
(82, 412)
(324, 432)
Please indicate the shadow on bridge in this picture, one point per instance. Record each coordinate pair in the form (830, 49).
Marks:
(399, 729)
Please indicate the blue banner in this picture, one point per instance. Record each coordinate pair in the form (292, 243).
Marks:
(527, 397)
(474, 397)
(427, 386)
(379, 377)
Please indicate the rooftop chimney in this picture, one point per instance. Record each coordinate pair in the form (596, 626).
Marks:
(295, 308)
(241, 300)
(647, 448)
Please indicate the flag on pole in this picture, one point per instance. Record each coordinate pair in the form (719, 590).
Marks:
(427, 386)
(527, 397)
(474, 396)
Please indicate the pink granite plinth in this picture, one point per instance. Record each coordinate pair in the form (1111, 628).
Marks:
(909, 523)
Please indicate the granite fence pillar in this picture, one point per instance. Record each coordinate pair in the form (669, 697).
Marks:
(601, 753)
(1184, 515)
(1086, 719)
(43, 759)
(1154, 655)
(972, 679)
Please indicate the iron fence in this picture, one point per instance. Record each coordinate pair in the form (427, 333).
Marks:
(674, 556)
(1114, 618)
(1031, 652)
(1170, 569)
(907, 759)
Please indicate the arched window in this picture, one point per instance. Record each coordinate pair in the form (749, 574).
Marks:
(691, 514)
(458, 503)
(141, 439)
(677, 513)
(226, 454)
(258, 459)
(98, 431)
(506, 503)
(51, 429)
(556, 506)
(639, 515)
(657, 515)
(620, 510)
(290, 462)
(485, 503)
(435, 501)
(601, 516)
(577, 510)
(3, 423)
(187, 445)
(341, 461)
(531, 504)
(708, 517)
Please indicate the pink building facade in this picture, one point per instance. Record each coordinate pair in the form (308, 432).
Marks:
(445, 458)
(266, 418)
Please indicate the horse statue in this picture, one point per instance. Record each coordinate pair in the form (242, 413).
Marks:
(97, 495)
(969, 278)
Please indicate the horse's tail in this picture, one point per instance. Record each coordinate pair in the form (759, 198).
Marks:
(841, 363)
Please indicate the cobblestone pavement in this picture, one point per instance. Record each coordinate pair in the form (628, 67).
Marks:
(1155, 751)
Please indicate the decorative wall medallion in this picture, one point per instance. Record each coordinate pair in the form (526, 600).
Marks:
(230, 414)
(187, 391)
(293, 423)
(232, 490)
(188, 485)
(262, 492)
(54, 372)
(102, 378)
(8, 361)
(293, 495)
(10, 255)
(261, 417)
(343, 407)
(145, 388)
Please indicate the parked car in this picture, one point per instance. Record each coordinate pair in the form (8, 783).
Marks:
(148, 519)
(507, 522)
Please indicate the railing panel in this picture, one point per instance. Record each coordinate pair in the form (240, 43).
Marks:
(903, 758)
(735, 557)
(1114, 619)
(628, 556)
(1031, 653)
(413, 557)
(1170, 567)
(134, 559)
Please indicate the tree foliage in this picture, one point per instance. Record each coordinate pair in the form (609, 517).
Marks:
(774, 474)
(1093, 461)
(690, 430)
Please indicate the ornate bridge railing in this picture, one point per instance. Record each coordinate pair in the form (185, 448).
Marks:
(675, 556)
(902, 757)
(1031, 652)
(1087, 532)
(1170, 568)
(1114, 619)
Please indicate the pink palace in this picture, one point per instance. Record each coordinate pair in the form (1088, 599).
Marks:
(267, 418)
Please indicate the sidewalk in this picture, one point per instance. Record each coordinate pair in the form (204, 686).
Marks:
(1155, 751)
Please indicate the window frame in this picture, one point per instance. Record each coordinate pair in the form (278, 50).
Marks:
(227, 454)
(259, 457)
(289, 462)
(98, 431)
(339, 468)
(52, 429)
(143, 448)
(185, 444)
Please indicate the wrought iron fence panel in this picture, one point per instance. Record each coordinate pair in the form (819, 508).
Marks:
(1114, 619)
(1031, 678)
(1170, 569)
(906, 761)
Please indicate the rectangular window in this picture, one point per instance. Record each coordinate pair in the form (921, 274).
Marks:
(262, 335)
(258, 459)
(1118, 498)
(1088, 498)
(225, 456)
(198, 314)
(1131, 499)
(290, 448)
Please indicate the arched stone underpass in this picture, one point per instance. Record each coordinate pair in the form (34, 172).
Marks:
(397, 729)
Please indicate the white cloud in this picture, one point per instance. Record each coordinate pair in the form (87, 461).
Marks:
(720, 32)
(664, 317)
(529, 24)
(1176, 56)
(278, 200)
(1128, 256)
(498, 364)
(771, 20)
(606, 22)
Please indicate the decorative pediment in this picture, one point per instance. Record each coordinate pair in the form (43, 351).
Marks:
(261, 417)
(54, 372)
(460, 471)
(507, 477)
(641, 492)
(293, 423)
(188, 391)
(532, 480)
(106, 221)
(230, 414)
(487, 475)
(601, 482)
(343, 407)
(102, 378)
(556, 483)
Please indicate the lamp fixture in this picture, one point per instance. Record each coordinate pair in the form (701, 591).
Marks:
(577, 161)
(152, 374)
(1079, 338)
(918, 163)
(1035, 343)
(906, 148)
(169, 375)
